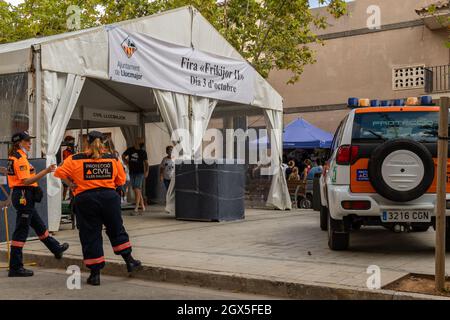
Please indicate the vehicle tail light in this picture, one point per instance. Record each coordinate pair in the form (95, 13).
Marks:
(347, 155)
(356, 205)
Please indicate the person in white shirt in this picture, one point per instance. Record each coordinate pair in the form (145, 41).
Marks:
(167, 168)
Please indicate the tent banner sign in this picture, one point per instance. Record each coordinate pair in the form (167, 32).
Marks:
(111, 116)
(138, 59)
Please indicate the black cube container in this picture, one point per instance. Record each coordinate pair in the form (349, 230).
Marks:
(210, 192)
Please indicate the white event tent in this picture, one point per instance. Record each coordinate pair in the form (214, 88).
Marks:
(68, 79)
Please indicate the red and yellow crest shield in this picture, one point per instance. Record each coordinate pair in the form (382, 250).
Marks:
(129, 47)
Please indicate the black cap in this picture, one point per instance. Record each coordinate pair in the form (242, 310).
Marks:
(24, 135)
(96, 135)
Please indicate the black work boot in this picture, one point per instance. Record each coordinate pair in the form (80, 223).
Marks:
(94, 278)
(132, 265)
(63, 248)
(20, 273)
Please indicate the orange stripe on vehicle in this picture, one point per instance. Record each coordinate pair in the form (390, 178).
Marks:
(122, 247)
(360, 186)
(433, 187)
(17, 244)
(396, 109)
(90, 262)
(44, 236)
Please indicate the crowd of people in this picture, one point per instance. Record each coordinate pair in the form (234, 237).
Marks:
(303, 168)
(136, 166)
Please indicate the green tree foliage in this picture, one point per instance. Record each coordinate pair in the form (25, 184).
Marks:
(270, 34)
(7, 20)
(37, 18)
(275, 34)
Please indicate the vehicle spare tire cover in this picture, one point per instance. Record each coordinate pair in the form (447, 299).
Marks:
(401, 170)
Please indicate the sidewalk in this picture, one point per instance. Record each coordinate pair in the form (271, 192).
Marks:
(50, 284)
(282, 247)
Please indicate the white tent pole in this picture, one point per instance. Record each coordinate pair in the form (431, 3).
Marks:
(31, 102)
(191, 34)
(229, 138)
(37, 108)
(142, 126)
(191, 116)
(81, 130)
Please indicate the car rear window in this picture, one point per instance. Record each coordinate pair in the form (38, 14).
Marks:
(420, 126)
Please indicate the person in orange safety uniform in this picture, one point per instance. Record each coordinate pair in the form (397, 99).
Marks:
(69, 142)
(23, 181)
(93, 177)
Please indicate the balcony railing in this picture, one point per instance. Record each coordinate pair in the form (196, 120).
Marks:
(437, 79)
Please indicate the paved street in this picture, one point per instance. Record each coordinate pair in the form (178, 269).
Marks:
(285, 246)
(51, 284)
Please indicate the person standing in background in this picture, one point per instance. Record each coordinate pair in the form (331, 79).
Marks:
(111, 149)
(290, 168)
(167, 168)
(294, 176)
(137, 161)
(122, 190)
(69, 142)
(308, 166)
(126, 186)
(318, 169)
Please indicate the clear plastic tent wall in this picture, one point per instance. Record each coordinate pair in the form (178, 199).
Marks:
(14, 115)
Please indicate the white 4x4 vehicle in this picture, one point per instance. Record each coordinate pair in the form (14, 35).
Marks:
(382, 171)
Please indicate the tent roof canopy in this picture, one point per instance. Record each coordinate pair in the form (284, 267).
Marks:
(86, 52)
(300, 134)
(115, 96)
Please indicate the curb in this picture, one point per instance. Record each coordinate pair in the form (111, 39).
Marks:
(233, 282)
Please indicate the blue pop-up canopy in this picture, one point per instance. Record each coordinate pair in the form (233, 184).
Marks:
(300, 134)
